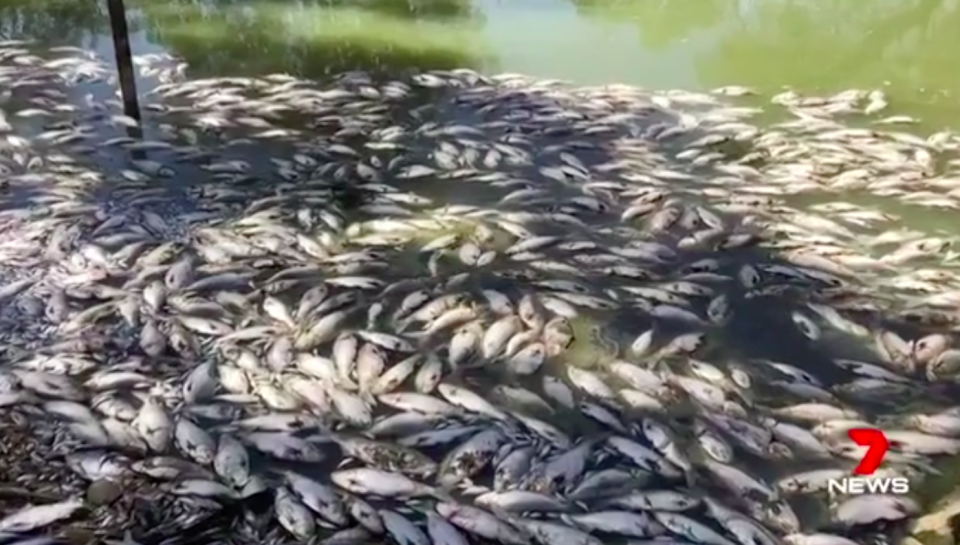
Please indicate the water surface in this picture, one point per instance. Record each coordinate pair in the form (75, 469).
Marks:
(812, 45)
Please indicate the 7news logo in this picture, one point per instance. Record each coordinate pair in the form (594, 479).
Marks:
(863, 482)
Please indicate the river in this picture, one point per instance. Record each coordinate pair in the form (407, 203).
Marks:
(816, 46)
(811, 46)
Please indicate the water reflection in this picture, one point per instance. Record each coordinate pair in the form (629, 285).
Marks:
(810, 45)
(314, 39)
(652, 42)
(661, 23)
(53, 22)
(773, 44)
(806, 44)
(440, 10)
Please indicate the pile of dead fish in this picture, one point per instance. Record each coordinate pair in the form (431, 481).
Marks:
(459, 309)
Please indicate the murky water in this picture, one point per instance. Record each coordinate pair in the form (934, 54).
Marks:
(813, 46)
(810, 45)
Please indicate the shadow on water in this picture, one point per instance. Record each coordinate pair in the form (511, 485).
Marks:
(54, 22)
(454, 11)
(770, 46)
(315, 39)
(902, 47)
(126, 76)
(660, 23)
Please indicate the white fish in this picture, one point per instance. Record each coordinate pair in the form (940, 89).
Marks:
(556, 390)
(462, 397)
(293, 515)
(442, 532)
(402, 530)
(555, 533)
(39, 516)
(154, 425)
(695, 531)
(232, 463)
(194, 442)
(366, 481)
(322, 499)
(480, 523)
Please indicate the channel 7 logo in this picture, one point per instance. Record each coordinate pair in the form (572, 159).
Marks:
(863, 480)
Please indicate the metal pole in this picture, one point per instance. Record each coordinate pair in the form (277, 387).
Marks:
(125, 73)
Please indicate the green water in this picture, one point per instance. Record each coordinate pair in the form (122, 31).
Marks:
(907, 45)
